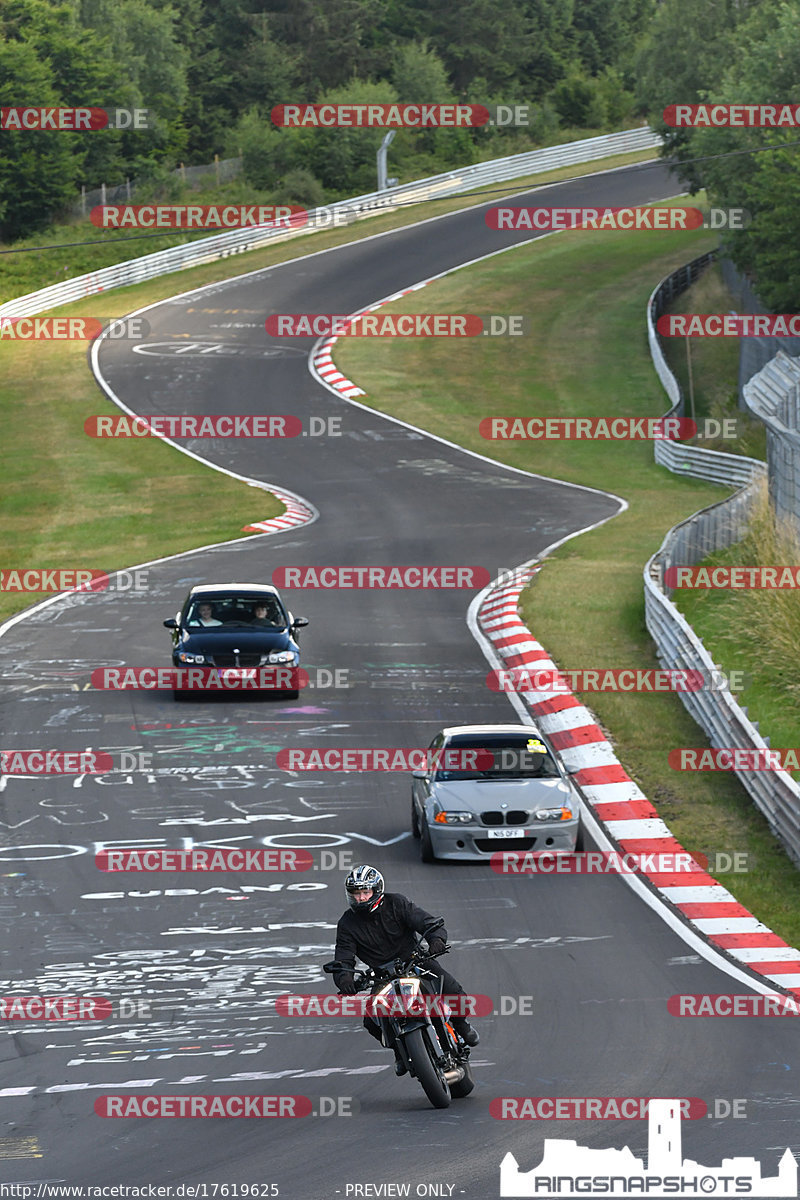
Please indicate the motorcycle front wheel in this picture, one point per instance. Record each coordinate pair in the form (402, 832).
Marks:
(421, 1054)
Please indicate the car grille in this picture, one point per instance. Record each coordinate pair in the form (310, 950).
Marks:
(513, 817)
(230, 660)
(490, 846)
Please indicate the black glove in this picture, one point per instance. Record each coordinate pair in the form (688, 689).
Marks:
(347, 985)
(436, 946)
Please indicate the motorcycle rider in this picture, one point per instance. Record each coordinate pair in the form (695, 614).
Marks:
(379, 927)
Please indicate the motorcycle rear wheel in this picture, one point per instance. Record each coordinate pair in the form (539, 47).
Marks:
(433, 1085)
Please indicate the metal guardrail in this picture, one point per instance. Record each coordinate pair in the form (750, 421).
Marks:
(713, 465)
(773, 395)
(775, 793)
(237, 241)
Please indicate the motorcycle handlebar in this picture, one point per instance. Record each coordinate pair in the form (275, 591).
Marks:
(365, 979)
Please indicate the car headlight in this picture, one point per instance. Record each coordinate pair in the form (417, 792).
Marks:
(279, 656)
(190, 658)
(454, 818)
(553, 814)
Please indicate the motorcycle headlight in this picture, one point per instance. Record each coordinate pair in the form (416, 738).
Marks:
(553, 814)
(191, 658)
(454, 818)
(415, 1006)
(279, 656)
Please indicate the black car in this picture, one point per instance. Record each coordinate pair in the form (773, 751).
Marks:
(235, 625)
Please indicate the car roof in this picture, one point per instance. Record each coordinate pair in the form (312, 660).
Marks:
(203, 589)
(473, 730)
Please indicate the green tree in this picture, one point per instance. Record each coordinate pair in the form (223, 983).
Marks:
(38, 170)
(335, 40)
(474, 37)
(50, 59)
(267, 153)
(553, 47)
(344, 159)
(419, 75)
(756, 172)
(684, 56)
(150, 67)
(578, 101)
(606, 29)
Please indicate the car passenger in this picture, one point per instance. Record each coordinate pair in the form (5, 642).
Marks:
(261, 617)
(204, 615)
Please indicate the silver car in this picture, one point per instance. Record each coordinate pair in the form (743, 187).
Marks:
(489, 788)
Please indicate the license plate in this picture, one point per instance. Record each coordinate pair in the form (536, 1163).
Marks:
(506, 833)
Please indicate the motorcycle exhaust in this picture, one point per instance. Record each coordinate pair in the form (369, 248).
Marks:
(454, 1076)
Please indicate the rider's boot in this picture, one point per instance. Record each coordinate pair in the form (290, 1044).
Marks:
(465, 1031)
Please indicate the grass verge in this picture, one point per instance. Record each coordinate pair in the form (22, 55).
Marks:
(755, 631)
(75, 501)
(584, 295)
(708, 368)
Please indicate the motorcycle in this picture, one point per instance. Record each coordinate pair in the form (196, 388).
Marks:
(434, 1054)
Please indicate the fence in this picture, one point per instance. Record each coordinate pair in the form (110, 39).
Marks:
(773, 395)
(206, 250)
(712, 465)
(223, 169)
(775, 793)
(754, 352)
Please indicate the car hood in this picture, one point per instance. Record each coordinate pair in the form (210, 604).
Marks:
(478, 795)
(216, 640)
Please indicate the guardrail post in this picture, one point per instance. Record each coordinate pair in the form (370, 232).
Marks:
(381, 156)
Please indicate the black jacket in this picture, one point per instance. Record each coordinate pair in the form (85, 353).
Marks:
(383, 935)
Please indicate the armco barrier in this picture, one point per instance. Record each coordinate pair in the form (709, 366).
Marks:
(775, 793)
(237, 241)
(725, 723)
(713, 465)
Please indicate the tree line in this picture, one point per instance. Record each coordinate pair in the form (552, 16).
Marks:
(209, 72)
(734, 52)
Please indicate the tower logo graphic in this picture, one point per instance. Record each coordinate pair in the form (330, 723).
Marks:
(568, 1169)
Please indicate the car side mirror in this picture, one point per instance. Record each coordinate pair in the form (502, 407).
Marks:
(299, 622)
(419, 774)
(171, 623)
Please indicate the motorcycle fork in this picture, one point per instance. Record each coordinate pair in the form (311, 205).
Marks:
(399, 1033)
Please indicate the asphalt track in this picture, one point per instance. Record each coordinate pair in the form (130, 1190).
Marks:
(210, 956)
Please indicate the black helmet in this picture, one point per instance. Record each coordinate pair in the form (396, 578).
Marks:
(360, 878)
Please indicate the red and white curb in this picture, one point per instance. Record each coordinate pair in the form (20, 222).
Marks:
(329, 372)
(620, 806)
(298, 512)
(323, 363)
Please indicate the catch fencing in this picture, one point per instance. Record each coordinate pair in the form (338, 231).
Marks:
(773, 395)
(222, 170)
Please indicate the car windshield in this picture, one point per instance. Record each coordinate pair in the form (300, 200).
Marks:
(236, 612)
(485, 758)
